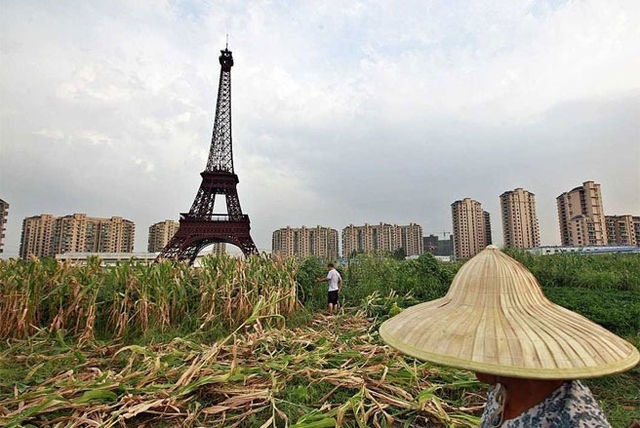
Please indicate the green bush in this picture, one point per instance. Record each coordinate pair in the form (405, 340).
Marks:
(602, 287)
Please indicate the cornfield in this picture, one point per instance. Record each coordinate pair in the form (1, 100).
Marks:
(229, 344)
(131, 299)
(82, 349)
(331, 373)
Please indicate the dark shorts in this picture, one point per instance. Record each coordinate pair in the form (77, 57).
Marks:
(333, 297)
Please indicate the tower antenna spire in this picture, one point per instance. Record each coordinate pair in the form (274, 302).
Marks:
(227, 45)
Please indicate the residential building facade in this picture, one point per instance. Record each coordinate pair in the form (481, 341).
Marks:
(4, 213)
(520, 227)
(46, 235)
(471, 228)
(160, 234)
(306, 241)
(36, 236)
(623, 229)
(382, 237)
(581, 216)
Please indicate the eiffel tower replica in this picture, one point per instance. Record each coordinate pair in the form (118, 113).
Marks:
(201, 226)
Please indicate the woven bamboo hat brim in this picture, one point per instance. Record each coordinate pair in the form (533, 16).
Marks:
(496, 320)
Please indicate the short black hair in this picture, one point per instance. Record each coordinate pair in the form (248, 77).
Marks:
(330, 265)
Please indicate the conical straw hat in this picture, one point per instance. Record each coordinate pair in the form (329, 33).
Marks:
(496, 320)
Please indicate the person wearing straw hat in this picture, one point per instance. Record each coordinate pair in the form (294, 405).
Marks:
(496, 322)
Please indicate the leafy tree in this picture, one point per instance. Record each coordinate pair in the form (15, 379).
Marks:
(400, 254)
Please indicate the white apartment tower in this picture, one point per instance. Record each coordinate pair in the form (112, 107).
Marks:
(519, 220)
(581, 216)
(471, 228)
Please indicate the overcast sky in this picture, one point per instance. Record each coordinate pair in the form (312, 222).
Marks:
(344, 112)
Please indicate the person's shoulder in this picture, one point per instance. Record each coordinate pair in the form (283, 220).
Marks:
(579, 405)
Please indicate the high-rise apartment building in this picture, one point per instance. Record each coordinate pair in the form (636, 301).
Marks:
(581, 216)
(306, 241)
(160, 234)
(471, 228)
(116, 235)
(382, 237)
(519, 220)
(623, 230)
(4, 212)
(36, 237)
(46, 235)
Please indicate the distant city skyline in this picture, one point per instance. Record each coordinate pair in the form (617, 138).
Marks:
(13, 249)
(46, 235)
(161, 231)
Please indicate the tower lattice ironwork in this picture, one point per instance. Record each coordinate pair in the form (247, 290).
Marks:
(202, 226)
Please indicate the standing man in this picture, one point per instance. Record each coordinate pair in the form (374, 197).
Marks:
(335, 284)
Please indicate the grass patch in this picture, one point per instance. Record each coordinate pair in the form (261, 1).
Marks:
(615, 310)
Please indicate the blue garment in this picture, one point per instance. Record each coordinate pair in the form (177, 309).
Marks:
(571, 405)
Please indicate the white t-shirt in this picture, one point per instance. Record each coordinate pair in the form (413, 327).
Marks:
(333, 276)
